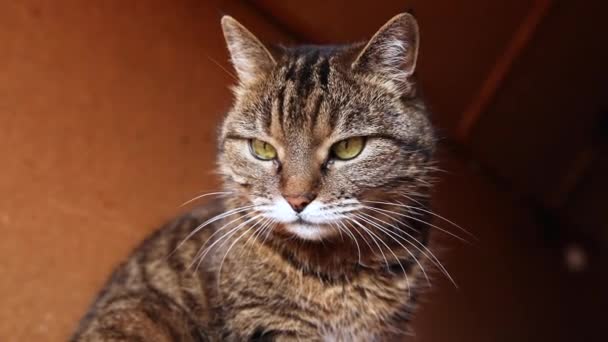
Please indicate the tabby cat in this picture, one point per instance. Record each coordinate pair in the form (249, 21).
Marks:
(321, 233)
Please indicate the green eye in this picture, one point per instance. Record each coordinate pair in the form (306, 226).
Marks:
(348, 148)
(262, 150)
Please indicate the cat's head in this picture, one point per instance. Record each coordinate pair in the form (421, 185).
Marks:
(319, 133)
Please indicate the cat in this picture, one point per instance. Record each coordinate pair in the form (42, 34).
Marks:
(326, 157)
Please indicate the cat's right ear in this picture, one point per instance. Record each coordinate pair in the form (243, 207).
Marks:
(390, 56)
(249, 56)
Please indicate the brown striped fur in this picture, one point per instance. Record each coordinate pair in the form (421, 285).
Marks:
(354, 278)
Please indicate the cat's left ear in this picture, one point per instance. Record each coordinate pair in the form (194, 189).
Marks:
(249, 56)
(392, 52)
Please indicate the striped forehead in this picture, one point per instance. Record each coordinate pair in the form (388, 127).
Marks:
(309, 97)
(302, 86)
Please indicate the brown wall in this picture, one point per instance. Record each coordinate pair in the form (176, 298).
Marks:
(543, 133)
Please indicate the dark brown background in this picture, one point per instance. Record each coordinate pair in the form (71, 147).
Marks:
(108, 113)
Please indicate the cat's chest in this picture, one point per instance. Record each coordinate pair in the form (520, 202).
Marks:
(358, 311)
(272, 297)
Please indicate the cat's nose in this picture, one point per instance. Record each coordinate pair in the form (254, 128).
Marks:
(299, 202)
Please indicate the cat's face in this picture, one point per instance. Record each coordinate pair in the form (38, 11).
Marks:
(316, 134)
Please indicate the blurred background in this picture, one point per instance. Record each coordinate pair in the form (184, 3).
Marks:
(108, 114)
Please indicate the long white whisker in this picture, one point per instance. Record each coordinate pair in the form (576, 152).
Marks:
(219, 272)
(361, 235)
(233, 230)
(268, 231)
(392, 235)
(205, 195)
(226, 225)
(368, 231)
(432, 256)
(209, 221)
(421, 221)
(350, 234)
(436, 215)
(202, 248)
(255, 235)
(331, 224)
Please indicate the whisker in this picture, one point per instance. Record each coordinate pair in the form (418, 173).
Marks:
(209, 248)
(247, 230)
(268, 231)
(324, 214)
(372, 234)
(209, 221)
(331, 224)
(421, 221)
(340, 230)
(350, 234)
(392, 236)
(217, 193)
(438, 216)
(361, 235)
(202, 248)
(435, 169)
(255, 235)
(434, 259)
(230, 230)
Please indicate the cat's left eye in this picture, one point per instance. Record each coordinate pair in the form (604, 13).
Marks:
(348, 148)
(262, 150)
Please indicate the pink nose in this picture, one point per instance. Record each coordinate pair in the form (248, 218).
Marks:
(299, 202)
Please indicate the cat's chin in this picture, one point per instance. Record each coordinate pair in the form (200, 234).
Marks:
(308, 231)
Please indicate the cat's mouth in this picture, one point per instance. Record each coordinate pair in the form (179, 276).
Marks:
(318, 220)
(307, 230)
(302, 221)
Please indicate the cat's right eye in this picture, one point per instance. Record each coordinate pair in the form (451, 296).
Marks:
(262, 150)
(348, 148)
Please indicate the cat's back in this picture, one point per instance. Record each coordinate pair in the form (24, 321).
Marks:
(160, 290)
